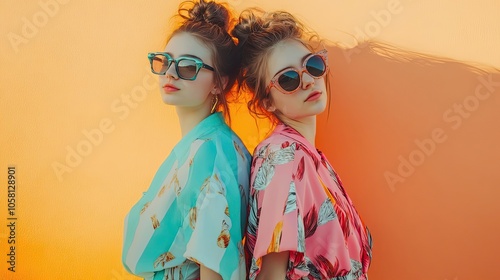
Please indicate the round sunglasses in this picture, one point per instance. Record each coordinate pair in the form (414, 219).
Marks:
(289, 80)
(187, 67)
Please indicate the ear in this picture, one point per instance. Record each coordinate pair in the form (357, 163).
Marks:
(215, 91)
(268, 105)
(225, 80)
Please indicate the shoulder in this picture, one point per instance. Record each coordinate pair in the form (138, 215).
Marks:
(225, 143)
(274, 142)
(286, 153)
(278, 143)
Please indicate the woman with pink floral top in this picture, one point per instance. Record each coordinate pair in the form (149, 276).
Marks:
(302, 224)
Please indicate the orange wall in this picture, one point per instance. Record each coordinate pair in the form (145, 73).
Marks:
(82, 122)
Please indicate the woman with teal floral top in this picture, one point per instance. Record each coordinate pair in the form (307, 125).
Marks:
(190, 223)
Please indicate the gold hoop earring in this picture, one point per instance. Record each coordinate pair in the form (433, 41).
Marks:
(216, 97)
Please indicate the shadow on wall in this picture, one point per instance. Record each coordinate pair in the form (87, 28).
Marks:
(415, 139)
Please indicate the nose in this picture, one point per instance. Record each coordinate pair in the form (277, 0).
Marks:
(307, 80)
(171, 72)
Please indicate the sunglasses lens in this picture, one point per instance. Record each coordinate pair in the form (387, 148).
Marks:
(316, 66)
(187, 68)
(159, 64)
(289, 80)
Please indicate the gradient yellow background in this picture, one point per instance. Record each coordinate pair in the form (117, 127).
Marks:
(74, 79)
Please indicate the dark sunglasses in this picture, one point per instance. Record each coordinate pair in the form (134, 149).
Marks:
(289, 80)
(187, 67)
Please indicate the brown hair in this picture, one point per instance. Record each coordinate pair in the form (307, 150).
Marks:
(210, 22)
(258, 32)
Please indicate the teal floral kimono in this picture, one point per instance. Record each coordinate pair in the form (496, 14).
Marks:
(195, 209)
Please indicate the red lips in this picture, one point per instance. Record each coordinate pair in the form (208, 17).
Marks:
(315, 95)
(170, 88)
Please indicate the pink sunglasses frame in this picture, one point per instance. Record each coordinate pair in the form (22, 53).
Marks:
(274, 81)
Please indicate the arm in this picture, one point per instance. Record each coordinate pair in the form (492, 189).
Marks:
(274, 266)
(208, 274)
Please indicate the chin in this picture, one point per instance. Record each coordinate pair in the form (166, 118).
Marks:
(167, 100)
(317, 109)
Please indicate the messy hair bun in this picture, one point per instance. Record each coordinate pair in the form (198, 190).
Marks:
(205, 12)
(258, 27)
(258, 32)
(210, 22)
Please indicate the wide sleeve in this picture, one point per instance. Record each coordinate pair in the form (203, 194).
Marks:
(213, 234)
(279, 180)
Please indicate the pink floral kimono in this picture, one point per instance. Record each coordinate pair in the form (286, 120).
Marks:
(298, 204)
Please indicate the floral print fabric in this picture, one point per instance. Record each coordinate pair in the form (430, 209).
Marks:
(194, 210)
(298, 204)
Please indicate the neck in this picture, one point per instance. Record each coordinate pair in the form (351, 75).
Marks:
(306, 127)
(190, 117)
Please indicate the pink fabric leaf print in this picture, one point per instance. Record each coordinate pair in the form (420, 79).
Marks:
(355, 273)
(365, 259)
(311, 155)
(326, 212)
(311, 222)
(291, 130)
(291, 202)
(265, 172)
(328, 269)
(264, 176)
(334, 272)
(297, 266)
(253, 221)
(313, 270)
(274, 246)
(282, 156)
(301, 246)
(285, 144)
(367, 250)
(259, 154)
(262, 152)
(370, 241)
(300, 170)
(343, 220)
(254, 268)
(330, 169)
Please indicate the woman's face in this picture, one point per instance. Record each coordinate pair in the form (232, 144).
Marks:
(185, 93)
(309, 99)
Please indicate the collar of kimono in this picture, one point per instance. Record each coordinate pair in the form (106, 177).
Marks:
(291, 132)
(206, 126)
